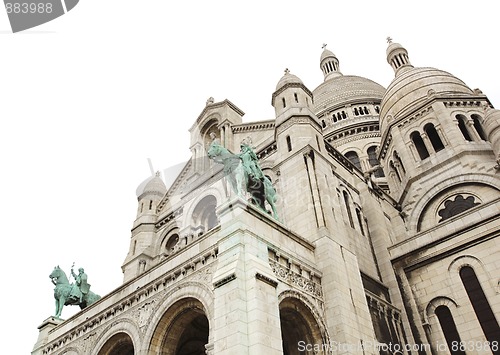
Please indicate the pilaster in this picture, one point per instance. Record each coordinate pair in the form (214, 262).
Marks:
(246, 309)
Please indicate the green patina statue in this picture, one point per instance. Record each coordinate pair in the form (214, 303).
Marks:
(244, 174)
(77, 293)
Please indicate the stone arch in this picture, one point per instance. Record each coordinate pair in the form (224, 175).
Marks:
(165, 235)
(452, 201)
(195, 203)
(203, 215)
(71, 351)
(436, 332)
(300, 321)
(207, 125)
(435, 303)
(415, 212)
(120, 338)
(481, 272)
(186, 303)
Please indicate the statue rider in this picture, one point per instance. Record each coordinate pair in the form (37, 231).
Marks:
(81, 283)
(250, 162)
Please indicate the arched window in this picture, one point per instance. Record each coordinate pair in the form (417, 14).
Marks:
(356, 111)
(463, 127)
(204, 216)
(479, 127)
(289, 143)
(348, 208)
(353, 158)
(171, 243)
(360, 221)
(400, 162)
(296, 97)
(373, 161)
(459, 204)
(419, 145)
(480, 304)
(449, 329)
(284, 102)
(393, 168)
(431, 132)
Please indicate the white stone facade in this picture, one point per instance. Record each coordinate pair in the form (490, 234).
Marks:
(387, 240)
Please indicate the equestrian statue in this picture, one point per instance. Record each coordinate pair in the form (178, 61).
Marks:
(244, 174)
(77, 293)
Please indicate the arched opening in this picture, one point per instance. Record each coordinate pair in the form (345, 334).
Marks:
(463, 128)
(449, 329)
(393, 169)
(373, 161)
(400, 162)
(183, 330)
(479, 127)
(300, 332)
(171, 243)
(348, 208)
(204, 217)
(452, 207)
(118, 344)
(480, 304)
(418, 142)
(353, 157)
(289, 143)
(431, 132)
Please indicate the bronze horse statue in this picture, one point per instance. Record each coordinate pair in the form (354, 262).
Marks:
(69, 294)
(245, 175)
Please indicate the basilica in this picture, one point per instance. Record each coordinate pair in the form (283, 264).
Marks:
(381, 236)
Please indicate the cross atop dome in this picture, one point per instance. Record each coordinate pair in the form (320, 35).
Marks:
(287, 71)
(389, 39)
(323, 46)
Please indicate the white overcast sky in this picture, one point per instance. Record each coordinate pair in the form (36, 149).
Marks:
(86, 99)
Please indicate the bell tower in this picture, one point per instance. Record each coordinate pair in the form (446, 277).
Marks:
(434, 143)
(149, 194)
(296, 125)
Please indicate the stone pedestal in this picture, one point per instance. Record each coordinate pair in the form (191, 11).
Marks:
(45, 328)
(246, 311)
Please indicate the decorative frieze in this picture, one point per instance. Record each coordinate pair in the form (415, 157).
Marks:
(295, 279)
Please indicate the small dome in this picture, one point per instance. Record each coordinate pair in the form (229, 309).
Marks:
(413, 87)
(393, 47)
(287, 79)
(345, 89)
(153, 184)
(326, 54)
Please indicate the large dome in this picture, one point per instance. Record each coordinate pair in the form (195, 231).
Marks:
(414, 86)
(344, 89)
